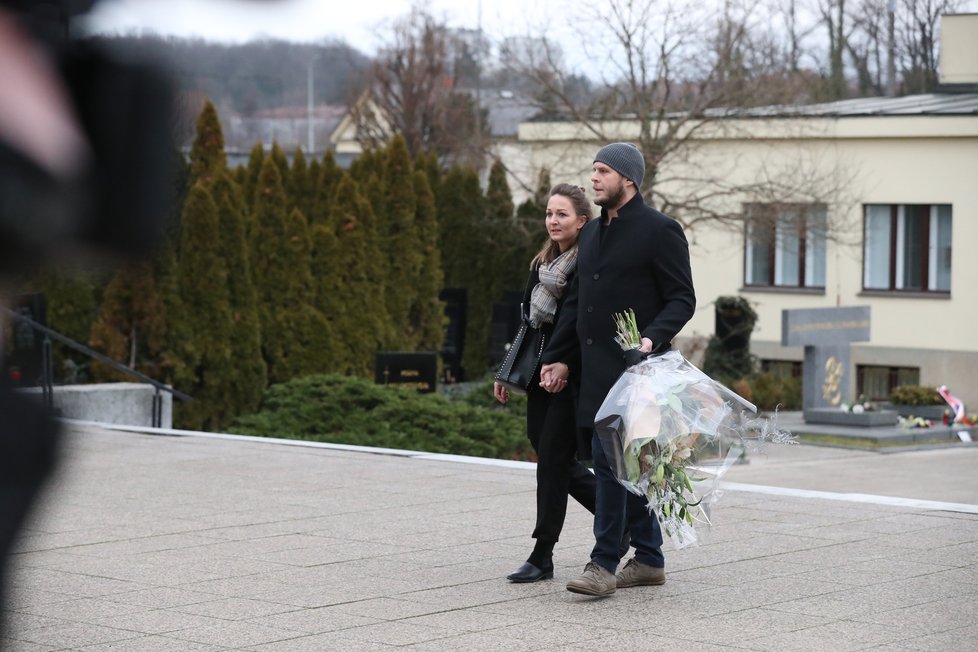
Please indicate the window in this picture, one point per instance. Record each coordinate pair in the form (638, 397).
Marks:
(907, 247)
(876, 383)
(785, 245)
(783, 368)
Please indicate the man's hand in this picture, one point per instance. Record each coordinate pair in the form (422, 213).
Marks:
(553, 377)
(634, 356)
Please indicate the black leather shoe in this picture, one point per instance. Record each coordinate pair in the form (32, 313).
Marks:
(530, 573)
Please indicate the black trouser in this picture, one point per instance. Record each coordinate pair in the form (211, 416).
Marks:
(552, 430)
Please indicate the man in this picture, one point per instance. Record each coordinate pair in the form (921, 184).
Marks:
(632, 257)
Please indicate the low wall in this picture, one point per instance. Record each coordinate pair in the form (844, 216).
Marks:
(129, 404)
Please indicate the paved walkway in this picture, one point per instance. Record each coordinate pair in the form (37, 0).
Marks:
(160, 543)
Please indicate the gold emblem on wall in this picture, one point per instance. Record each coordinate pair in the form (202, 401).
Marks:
(831, 391)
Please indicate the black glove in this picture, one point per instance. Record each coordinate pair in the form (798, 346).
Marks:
(634, 356)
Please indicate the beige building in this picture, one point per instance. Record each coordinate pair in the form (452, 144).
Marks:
(867, 202)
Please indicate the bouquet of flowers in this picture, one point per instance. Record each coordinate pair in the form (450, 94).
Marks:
(670, 432)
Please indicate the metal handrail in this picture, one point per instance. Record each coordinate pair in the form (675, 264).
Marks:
(47, 374)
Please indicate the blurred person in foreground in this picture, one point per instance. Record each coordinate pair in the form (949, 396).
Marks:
(550, 422)
(84, 159)
(631, 257)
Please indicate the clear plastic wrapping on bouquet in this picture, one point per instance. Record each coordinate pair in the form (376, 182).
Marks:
(670, 432)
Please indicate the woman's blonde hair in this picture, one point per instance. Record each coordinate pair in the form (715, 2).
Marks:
(582, 208)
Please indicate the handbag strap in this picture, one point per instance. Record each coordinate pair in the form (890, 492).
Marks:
(524, 304)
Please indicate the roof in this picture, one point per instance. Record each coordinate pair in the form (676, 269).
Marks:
(506, 111)
(928, 104)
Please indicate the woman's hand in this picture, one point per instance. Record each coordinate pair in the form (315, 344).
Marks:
(501, 393)
(553, 377)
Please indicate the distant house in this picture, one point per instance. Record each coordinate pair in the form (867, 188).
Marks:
(288, 126)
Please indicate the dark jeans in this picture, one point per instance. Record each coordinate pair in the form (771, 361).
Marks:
(552, 430)
(616, 509)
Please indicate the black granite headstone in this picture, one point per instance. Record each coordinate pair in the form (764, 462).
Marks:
(413, 370)
(826, 334)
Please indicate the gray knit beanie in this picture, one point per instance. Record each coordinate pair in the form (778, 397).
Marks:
(625, 159)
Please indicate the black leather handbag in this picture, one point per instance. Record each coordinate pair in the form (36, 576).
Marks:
(522, 361)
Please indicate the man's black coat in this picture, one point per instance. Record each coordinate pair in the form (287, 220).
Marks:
(639, 261)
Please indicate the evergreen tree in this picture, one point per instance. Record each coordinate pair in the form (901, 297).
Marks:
(362, 321)
(179, 351)
(499, 200)
(203, 285)
(281, 263)
(500, 261)
(298, 188)
(309, 347)
(328, 292)
(249, 188)
(466, 258)
(282, 161)
(240, 176)
(248, 373)
(428, 319)
(314, 173)
(428, 162)
(325, 189)
(130, 326)
(269, 262)
(369, 162)
(403, 249)
(178, 342)
(207, 157)
(537, 204)
(373, 190)
(459, 205)
(514, 239)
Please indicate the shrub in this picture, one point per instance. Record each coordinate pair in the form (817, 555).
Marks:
(771, 391)
(915, 395)
(347, 410)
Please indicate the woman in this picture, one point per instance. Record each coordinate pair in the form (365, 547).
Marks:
(550, 422)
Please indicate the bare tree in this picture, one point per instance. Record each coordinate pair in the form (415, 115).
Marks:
(867, 45)
(833, 16)
(858, 38)
(672, 71)
(412, 89)
(917, 28)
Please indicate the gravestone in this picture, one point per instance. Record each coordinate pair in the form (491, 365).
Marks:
(412, 370)
(456, 301)
(826, 334)
(505, 323)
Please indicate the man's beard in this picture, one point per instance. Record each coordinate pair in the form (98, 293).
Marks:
(614, 200)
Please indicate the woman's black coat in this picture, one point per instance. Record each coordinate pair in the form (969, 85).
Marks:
(540, 401)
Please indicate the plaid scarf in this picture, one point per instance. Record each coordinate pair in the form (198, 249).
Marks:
(553, 280)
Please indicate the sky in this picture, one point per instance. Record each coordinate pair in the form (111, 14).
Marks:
(361, 25)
